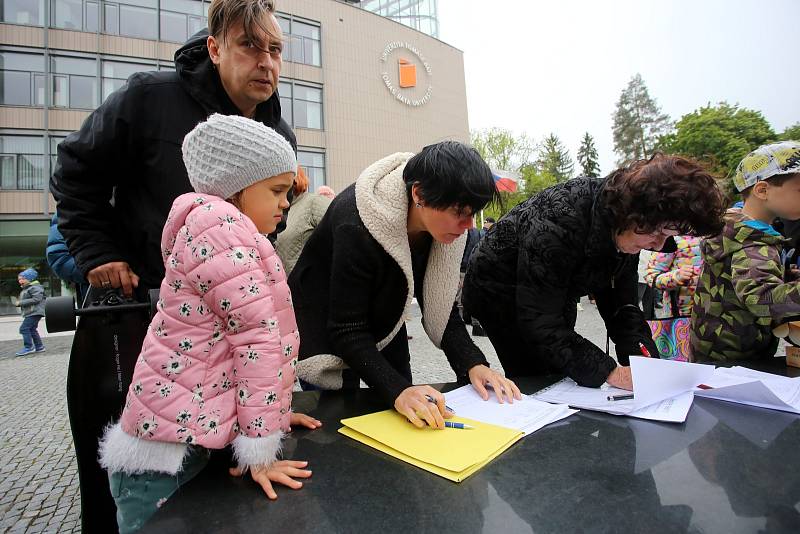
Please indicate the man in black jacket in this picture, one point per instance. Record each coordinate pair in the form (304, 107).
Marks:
(117, 176)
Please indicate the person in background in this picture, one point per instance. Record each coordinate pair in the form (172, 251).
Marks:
(62, 263)
(677, 272)
(326, 191)
(304, 214)
(745, 290)
(31, 304)
(488, 222)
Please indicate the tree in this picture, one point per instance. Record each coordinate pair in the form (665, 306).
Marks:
(638, 122)
(504, 151)
(719, 135)
(792, 133)
(587, 157)
(554, 159)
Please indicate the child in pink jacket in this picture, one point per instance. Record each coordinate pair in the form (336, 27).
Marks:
(217, 366)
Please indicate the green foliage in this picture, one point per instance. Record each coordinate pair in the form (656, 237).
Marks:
(792, 133)
(587, 157)
(638, 123)
(554, 159)
(501, 149)
(720, 136)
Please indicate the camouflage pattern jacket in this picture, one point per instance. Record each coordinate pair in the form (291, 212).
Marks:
(742, 294)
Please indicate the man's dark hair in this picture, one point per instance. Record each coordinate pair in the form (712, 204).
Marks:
(451, 174)
(664, 192)
(489, 220)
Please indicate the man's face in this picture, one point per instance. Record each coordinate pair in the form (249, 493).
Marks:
(249, 70)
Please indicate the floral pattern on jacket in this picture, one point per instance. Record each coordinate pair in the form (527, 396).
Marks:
(218, 359)
(663, 268)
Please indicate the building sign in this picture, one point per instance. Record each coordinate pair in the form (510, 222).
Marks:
(406, 73)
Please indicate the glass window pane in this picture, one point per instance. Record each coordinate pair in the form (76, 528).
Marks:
(23, 12)
(15, 88)
(137, 22)
(74, 65)
(307, 114)
(312, 55)
(8, 172)
(110, 85)
(297, 49)
(82, 92)
(196, 24)
(285, 89)
(283, 22)
(124, 70)
(191, 7)
(304, 92)
(306, 30)
(30, 172)
(143, 3)
(166, 66)
(20, 144)
(38, 89)
(68, 14)
(286, 110)
(173, 27)
(14, 61)
(111, 19)
(92, 17)
(60, 96)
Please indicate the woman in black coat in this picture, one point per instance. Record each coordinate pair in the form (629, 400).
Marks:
(397, 233)
(576, 238)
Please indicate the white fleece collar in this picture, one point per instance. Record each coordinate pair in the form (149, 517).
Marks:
(383, 205)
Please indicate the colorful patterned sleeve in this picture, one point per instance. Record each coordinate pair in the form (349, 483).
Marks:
(660, 271)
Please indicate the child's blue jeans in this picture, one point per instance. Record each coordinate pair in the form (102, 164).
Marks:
(30, 334)
(140, 496)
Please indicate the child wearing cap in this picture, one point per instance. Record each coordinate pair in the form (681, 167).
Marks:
(217, 365)
(31, 304)
(744, 290)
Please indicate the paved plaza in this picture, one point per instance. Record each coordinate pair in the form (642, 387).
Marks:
(38, 475)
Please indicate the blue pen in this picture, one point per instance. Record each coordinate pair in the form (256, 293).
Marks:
(462, 426)
(431, 399)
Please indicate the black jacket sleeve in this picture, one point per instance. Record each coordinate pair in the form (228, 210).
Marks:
(546, 259)
(91, 162)
(618, 305)
(355, 257)
(461, 351)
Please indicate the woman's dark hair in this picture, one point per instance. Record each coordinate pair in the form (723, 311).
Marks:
(664, 191)
(451, 174)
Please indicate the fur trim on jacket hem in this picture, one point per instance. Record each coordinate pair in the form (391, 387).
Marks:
(253, 452)
(121, 452)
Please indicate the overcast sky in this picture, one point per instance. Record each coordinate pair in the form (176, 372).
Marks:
(540, 66)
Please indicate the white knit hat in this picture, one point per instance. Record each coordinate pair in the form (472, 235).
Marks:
(228, 153)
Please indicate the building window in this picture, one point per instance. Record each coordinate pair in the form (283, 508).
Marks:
(301, 104)
(132, 18)
(302, 41)
(21, 79)
(181, 19)
(116, 73)
(54, 142)
(74, 82)
(30, 12)
(313, 164)
(21, 162)
(81, 15)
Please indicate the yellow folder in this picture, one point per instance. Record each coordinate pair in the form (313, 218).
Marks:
(451, 453)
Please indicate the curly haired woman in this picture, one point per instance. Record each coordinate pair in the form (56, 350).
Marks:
(579, 237)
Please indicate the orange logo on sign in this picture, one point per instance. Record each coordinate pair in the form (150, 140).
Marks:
(408, 74)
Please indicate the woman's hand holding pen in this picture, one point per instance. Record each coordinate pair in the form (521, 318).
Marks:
(481, 376)
(414, 403)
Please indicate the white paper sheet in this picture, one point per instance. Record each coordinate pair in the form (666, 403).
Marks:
(527, 414)
(660, 387)
(753, 388)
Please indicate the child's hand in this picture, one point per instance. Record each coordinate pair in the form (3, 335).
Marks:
(281, 472)
(301, 419)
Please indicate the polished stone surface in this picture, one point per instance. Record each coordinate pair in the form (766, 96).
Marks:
(728, 469)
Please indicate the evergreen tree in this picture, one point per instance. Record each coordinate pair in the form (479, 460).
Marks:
(638, 122)
(554, 160)
(587, 157)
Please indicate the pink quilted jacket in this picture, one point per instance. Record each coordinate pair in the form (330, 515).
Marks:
(218, 360)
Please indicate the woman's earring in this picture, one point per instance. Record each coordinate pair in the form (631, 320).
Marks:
(418, 205)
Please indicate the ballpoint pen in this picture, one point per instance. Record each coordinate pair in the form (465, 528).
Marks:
(629, 396)
(431, 399)
(462, 426)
